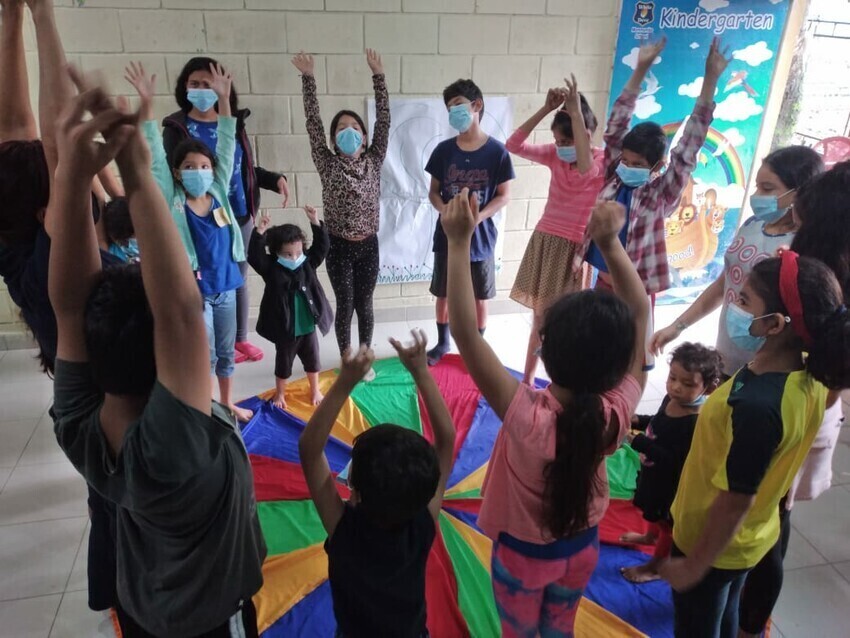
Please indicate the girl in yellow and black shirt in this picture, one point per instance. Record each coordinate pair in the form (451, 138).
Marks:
(752, 436)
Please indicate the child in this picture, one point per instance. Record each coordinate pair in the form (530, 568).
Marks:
(198, 119)
(196, 188)
(294, 304)
(634, 156)
(476, 161)
(379, 541)
(132, 406)
(546, 488)
(119, 231)
(577, 175)
(752, 436)
(663, 444)
(771, 227)
(351, 191)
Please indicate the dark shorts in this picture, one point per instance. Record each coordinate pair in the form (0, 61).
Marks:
(305, 348)
(483, 277)
(245, 619)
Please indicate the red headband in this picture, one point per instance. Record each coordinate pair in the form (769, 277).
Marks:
(789, 291)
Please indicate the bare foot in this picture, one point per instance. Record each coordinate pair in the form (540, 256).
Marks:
(633, 538)
(638, 574)
(317, 397)
(241, 413)
(279, 401)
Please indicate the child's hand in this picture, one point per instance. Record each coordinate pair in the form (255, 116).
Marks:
(355, 365)
(460, 216)
(143, 83)
(312, 215)
(413, 357)
(221, 82)
(373, 59)
(606, 222)
(304, 63)
(716, 62)
(264, 222)
(554, 99)
(649, 51)
(572, 98)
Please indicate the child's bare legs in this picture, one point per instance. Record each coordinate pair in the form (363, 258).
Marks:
(661, 534)
(316, 395)
(534, 343)
(279, 400)
(225, 386)
(482, 312)
(17, 121)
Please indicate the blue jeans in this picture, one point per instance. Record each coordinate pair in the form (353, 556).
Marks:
(710, 609)
(220, 319)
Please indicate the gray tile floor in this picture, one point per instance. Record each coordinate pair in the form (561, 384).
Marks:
(44, 524)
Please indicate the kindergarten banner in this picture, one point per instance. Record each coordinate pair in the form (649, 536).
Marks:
(701, 229)
(407, 217)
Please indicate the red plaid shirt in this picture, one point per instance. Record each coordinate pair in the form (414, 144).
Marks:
(656, 200)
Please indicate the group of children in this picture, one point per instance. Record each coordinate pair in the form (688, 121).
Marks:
(172, 498)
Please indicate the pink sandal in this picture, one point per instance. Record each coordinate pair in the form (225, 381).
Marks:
(249, 351)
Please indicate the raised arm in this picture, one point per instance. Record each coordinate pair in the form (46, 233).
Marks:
(258, 258)
(604, 227)
(74, 256)
(315, 129)
(496, 384)
(321, 245)
(17, 121)
(311, 444)
(518, 144)
(381, 134)
(416, 361)
(581, 139)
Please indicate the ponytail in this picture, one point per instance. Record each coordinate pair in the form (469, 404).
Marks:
(829, 354)
(571, 478)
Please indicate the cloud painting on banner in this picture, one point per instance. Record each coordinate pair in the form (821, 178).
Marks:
(699, 231)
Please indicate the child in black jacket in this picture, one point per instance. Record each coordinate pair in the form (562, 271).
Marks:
(294, 304)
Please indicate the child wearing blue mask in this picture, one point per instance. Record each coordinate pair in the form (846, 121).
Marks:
(198, 119)
(771, 227)
(294, 303)
(635, 158)
(663, 441)
(120, 235)
(196, 188)
(474, 160)
(350, 171)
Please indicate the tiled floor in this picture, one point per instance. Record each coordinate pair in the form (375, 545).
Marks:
(43, 515)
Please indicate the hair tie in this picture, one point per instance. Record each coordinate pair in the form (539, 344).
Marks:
(789, 291)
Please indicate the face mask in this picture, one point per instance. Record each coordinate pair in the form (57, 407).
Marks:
(632, 176)
(348, 140)
(202, 99)
(696, 403)
(766, 207)
(460, 117)
(738, 323)
(196, 182)
(567, 153)
(292, 264)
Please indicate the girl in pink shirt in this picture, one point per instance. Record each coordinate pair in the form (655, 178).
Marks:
(578, 173)
(546, 487)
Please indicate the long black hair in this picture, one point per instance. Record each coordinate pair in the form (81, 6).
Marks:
(180, 91)
(588, 344)
(824, 314)
(794, 165)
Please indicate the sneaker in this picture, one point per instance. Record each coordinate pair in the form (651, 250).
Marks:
(250, 351)
(370, 376)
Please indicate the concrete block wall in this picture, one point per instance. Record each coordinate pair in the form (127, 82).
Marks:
(510, 48)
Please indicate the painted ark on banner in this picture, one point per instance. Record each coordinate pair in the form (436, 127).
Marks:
(407, 217)
(701, 229)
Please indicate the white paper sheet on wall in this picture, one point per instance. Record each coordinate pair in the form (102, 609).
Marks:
(407, 217)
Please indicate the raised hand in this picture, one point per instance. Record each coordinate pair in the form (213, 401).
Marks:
(554, 99)
(572, 99)
(304, 63)
(606, 222)
(460, 216)
(263, 222)
(312, 215)
(221, 82)
(144, 84)
(355, 365)
(414, 356)
(373, 59)
(717, 60)
(649, 51)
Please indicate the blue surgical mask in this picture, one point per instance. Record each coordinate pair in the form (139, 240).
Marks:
(348, 140)
(460, 117)
(632, 175)
(202, 99)
(738, 324)
(567, 154)
(292, 264)
(766, 207)
(698, 402)
(196, 181)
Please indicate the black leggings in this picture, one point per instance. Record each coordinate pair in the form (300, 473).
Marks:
(764, 582)
(353, 271)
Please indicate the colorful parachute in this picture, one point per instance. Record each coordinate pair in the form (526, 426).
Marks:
(296, 600)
